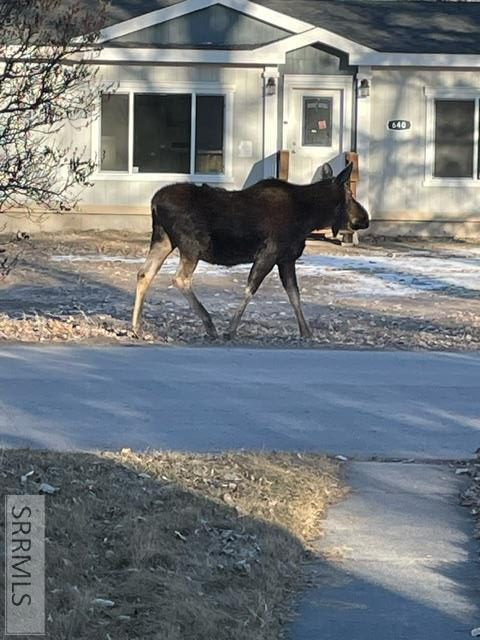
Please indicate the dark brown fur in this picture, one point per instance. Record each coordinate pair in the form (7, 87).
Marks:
(266, 224)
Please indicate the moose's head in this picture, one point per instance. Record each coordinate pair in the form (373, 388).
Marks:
(349, 214)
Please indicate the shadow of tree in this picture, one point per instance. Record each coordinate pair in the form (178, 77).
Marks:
(176, 563)
(209, 399)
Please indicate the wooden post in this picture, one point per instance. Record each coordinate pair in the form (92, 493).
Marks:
(351, 156)
(348, 237)
(283, 161)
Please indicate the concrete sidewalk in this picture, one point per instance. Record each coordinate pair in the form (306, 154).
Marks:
(400, 560)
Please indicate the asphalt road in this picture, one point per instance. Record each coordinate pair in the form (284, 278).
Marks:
(422, 405)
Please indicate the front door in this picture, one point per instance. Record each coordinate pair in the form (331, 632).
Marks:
(314, 131)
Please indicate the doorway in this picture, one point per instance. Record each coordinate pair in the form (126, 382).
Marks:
(316, 124)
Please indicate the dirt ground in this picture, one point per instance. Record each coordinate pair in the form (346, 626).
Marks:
(405, 294)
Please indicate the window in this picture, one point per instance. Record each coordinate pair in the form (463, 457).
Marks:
(114, 132)
(173, 133)
(162, 133)
(317, 122)
(209, 141)
(453, 137)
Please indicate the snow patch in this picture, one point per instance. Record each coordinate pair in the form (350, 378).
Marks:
(362, 275)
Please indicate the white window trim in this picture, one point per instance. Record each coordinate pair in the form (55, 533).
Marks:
(460, 93)
(180, 87)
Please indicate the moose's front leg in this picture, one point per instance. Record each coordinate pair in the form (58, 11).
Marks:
(262, 266)
(288, 277)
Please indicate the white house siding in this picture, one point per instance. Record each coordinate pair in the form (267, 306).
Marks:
(399, 200)
(123, 203)
(125, 196)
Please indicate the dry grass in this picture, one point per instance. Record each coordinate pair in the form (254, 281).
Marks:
(207, 547)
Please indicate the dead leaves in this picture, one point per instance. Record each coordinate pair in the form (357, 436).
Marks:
(290, 489)
(146, 544)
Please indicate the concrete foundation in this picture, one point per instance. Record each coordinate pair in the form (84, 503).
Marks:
(59, 222)
(139, 222)
(424, 228)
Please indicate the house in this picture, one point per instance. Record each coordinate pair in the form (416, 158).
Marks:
(210, 90)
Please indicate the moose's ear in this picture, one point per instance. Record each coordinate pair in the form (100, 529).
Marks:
(327, 171)
(344, 175)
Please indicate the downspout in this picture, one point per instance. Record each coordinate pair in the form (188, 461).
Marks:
(353, 141)
(363, 136)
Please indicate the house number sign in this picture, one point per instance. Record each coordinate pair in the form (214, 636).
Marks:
(399, 125)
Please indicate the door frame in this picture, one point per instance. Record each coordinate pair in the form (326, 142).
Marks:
(323, 83)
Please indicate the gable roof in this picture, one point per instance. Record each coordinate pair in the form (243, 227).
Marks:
(215, 26)
(404, 26)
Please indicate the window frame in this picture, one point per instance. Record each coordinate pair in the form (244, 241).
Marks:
(171, 88)
(460, 93)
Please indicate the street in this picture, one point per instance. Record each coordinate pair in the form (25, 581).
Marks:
(357, 403)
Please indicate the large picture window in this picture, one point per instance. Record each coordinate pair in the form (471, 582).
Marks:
(163, 133)
(162, 127)
(453, 148)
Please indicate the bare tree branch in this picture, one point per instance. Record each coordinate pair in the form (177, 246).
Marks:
(46, 81)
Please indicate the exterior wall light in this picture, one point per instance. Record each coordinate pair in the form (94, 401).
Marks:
(364, 88)
(270, 87)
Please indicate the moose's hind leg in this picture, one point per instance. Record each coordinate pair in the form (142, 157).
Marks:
(159, 252)
(183, 280)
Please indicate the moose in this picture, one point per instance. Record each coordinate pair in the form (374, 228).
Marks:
(266, 224)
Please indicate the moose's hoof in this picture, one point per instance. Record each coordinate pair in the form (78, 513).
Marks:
(136, 333)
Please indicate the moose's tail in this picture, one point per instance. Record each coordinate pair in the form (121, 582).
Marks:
(158, 232)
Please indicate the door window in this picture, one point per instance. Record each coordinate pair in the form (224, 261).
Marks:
(317, 121)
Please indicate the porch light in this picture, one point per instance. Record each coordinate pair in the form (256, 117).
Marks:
(364, 88)
(271, 87)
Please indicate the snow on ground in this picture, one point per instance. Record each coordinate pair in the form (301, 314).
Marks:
(393, 275)
(361, 275)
